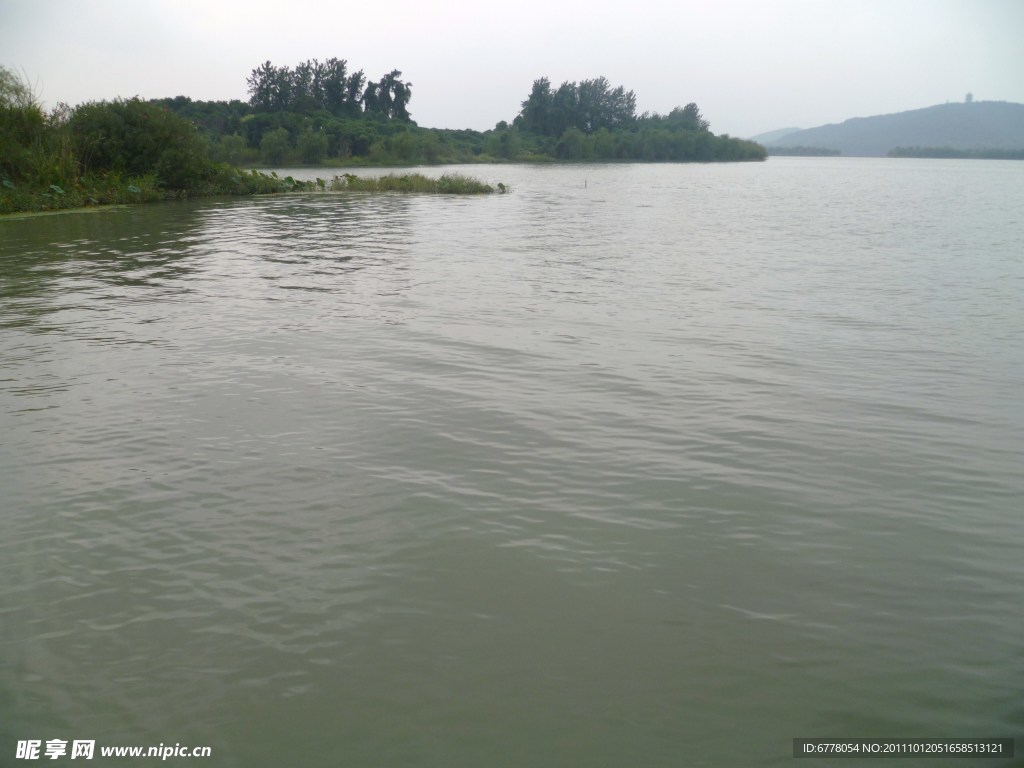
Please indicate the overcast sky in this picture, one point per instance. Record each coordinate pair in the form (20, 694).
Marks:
(750, 65)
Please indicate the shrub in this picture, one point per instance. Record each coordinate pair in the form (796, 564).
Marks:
(274, 146)
(134, 137)
(312, 146)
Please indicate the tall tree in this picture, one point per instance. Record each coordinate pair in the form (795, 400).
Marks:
(535, 116)
(371, 99)
(564, 109)
(393, 95)
(333, 82)
(315, 85)
(401, 93)
(261, 86)
(601, 106)
(302, 97)
(587, 107)
(354, 92)
(688, 118)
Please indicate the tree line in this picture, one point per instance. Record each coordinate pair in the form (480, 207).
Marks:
(591, 120)
(587, 107)
(315, 113)
(320, 112)
(592, 105)
(314, 85)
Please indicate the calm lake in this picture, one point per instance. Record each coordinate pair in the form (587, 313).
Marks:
(638, 465)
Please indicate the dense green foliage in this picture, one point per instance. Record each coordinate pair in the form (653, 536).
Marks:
(319, 113)
(123, 151)
(588, 107)
(235, 133)
(313, 86)
(31, 148)
(130, 150)
(133, 137)
(591, 120)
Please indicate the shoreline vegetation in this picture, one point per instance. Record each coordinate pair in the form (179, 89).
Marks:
(316, 114)
(111, 191)
(949, 153)
(802, 152)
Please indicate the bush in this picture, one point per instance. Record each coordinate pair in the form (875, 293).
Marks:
(274, 146)
(312, 146)
(134, 137)
(21, 130)
(229, 149)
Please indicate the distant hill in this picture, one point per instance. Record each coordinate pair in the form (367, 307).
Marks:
(965, 126)
(764, 138)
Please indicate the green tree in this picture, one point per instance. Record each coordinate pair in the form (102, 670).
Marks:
(14, 92)
(371, 98)
(312, 146)
(587, 106)
(22, 128)
(361, 138)
(275, 145)
(688, 118)
(135, 137)
(570, 145)
(333, 82)
(404, 146)
(535, 116)
(303, 91)
(430, 146)
(564, 109)
(230, 149)
(261, 86)
(656, 144)
(601, 106)
(401, 93)
(354, 92)
(604, 144)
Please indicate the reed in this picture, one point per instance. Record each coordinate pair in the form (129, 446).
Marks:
(448, 184)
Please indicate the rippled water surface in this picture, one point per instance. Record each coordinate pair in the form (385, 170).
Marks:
(635, 466)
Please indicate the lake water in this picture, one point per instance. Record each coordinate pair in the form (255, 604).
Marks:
(638, 465)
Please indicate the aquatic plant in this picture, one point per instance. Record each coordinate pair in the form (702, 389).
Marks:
(448, 184)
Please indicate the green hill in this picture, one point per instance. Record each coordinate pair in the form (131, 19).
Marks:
(968, 126)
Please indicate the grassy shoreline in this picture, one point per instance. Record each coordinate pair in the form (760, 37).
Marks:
(114, 190)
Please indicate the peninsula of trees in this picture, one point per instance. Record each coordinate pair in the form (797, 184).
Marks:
(322, 112)
(316, 113)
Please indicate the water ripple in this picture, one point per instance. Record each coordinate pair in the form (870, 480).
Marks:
(670, 450)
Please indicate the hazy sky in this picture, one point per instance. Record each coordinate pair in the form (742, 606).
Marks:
(751, 65)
